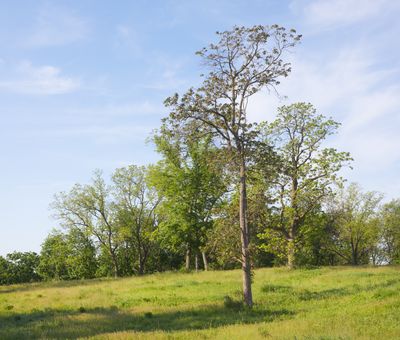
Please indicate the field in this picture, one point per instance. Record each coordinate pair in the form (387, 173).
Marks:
(324, 303)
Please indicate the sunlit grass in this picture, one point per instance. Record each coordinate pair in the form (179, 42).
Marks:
(325, 303)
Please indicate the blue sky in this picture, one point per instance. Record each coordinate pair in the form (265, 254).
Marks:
(82, 85)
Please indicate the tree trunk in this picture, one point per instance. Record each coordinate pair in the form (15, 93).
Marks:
(141, 266)
(140, 263)
(187, 266)
(115, 265)
(294, 223)
(290, 253)
(245, 237)
(374, 259)
(205, 262)
(354, 258)
(196, 262)
(354, 253)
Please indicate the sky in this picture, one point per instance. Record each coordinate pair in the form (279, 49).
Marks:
(82, 85)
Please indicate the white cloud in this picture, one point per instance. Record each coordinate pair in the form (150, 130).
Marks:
(41, 80)
(352, 88)
(333, 13)
(56, 26)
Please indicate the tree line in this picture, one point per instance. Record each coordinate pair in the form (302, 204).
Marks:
(180, 213)
(227, 192)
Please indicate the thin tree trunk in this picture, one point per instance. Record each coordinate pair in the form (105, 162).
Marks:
(143, 262)
(205, 262)
(245, 237)
(354, 254)
(141, 266)
(115, 265)
(140, 263)
(187, 266)
(196, 262)
(354, 259)
(290, 253)
(294, 224)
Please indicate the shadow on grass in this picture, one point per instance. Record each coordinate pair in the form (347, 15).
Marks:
(51, 323)
(308, 295)
(51, 284)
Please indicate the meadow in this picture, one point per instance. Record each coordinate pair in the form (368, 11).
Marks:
(321, 303)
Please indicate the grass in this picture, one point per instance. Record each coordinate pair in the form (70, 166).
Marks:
(324, 303)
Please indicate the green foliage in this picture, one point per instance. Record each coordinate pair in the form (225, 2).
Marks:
(135, 203)
(19, 267)
(119, 218)
(224, 240)
(53, 257)
(90, 209)
(191, 181)
(81, 257)
(68, 256)
(390, 231)
(5, 272)
(356, 224)
(303, 176)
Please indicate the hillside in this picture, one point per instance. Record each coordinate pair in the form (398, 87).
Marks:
(326, 303)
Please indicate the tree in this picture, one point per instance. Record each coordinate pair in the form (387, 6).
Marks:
(224, 240)
(67, 256)
(191, 181)
(23, 267)
(53, 257)
(5, 271)
(390, 231)
(81, 258)
(355, 215)
(136, 203)
(90, 209)
(243, 62)
(305, 171)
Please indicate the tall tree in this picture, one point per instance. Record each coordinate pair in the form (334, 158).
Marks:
(136, 203)
(191, 180)
(53, 257)
(90, 208)
(243, 62)
(356, 218)
(305, 172)
(67, 256)
(390, 225)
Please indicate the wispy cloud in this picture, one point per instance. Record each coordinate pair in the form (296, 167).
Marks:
(56, 26)
(334, 13)
(40, 80)
(352, 88)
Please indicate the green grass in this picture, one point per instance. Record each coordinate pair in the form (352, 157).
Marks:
(325, 303)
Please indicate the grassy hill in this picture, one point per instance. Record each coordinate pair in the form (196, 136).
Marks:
(326, 303)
